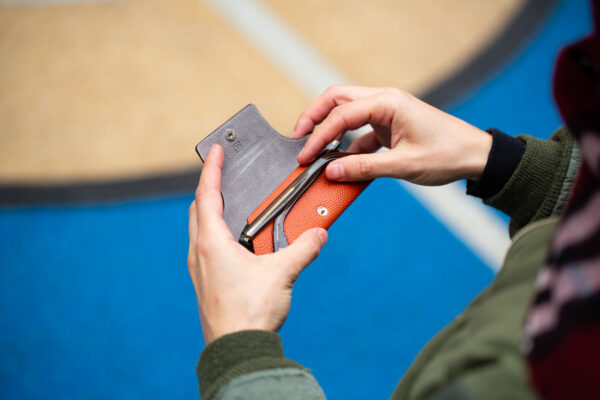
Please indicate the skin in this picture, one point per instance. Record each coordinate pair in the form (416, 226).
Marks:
(427, 146)
(237, 290)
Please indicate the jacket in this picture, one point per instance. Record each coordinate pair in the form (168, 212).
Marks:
(478, 355)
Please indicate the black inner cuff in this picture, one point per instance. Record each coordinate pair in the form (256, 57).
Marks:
(505, 155)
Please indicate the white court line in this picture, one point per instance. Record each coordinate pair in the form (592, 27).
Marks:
(478, 227)
(292, 54)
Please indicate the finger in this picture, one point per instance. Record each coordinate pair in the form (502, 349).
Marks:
(209, 203)
(366, 143)
(362, 167)
(208, 193)
(193, 223)
(320, 108)
(302, 251)
(347, 116)
(193, 231)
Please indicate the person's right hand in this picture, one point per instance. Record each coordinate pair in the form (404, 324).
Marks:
(428, 146)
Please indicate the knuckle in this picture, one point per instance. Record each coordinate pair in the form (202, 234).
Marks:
(332, 90)
(393, 91)
(203, 194)
(337, 116)
(191, 260)
(303, 117)
(198, 194)
(335, 113)
(202, 246)
(396, 95)
(365, 166)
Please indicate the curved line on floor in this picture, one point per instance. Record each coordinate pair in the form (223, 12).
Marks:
(512, 38)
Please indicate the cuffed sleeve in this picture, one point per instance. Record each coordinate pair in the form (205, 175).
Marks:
(503, 160)
(241, 354)
(540, 184)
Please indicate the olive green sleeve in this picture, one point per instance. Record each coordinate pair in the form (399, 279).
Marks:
(540, 185)
(251, 365)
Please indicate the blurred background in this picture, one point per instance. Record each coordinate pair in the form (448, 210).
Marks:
(101, 105)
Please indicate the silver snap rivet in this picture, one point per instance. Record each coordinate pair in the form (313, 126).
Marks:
(229, 135)
(322, 211)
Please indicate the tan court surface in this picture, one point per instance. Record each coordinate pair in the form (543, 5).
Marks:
(98, 91)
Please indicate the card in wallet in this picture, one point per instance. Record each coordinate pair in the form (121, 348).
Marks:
(268, 198)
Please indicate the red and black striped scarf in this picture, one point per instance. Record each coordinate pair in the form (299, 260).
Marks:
(562, 327)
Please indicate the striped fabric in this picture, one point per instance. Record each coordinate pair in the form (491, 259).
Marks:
(562, 327)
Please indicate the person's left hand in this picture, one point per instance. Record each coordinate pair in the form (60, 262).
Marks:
(236, 289)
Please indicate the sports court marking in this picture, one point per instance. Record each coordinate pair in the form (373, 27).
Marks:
(479, 228)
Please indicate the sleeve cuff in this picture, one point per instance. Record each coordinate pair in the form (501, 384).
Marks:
(237, 354)
(534, 190)
(503, 160)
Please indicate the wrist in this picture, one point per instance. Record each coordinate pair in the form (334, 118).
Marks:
(213, 333)
(504, 158)
(477, 153)
(220, 327)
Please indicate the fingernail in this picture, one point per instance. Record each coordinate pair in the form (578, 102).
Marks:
(322, 235)
(335, 171)
(300, 155)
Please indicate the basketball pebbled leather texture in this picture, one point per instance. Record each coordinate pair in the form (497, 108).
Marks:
(335, 197)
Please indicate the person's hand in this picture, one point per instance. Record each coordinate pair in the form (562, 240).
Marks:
(428, 146)
(236, 289)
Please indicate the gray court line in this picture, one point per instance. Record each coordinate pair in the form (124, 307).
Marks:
(479, 228)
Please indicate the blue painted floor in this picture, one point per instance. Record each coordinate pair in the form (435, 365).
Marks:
(96, 302)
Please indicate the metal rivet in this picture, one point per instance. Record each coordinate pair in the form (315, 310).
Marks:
(322, 211)
(229, 135)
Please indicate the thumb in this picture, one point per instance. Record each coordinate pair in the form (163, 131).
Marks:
(303, 251)
(361, 167)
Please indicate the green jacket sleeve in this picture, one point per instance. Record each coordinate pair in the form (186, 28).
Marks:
(251, 365)
(540, 185)
(478, 355)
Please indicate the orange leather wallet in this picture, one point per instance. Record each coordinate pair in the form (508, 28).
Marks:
(269, 200)
(322, 203)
